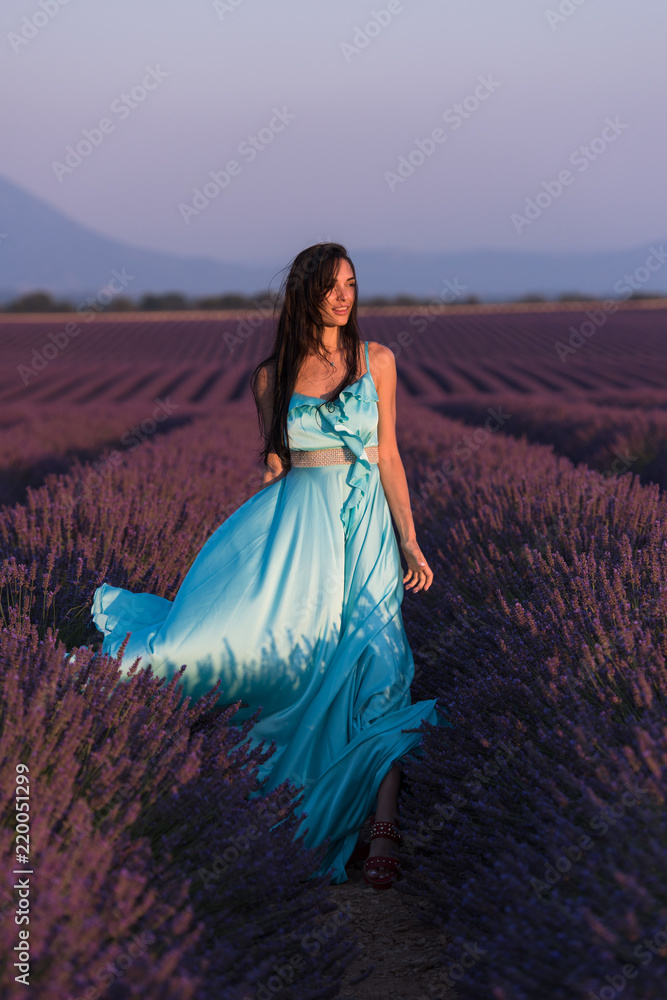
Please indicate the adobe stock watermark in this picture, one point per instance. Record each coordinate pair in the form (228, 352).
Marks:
(249, 149)
(470, 955)
(364, 34)
(269, 813)
(254, 484)
(444, 813)
(451, 292)
(122, 107)
(130, 439)
(598, 484)
(463, 450)
(562, 523)
(328, 592)
(310, 943)
(238, 845)
(92, 475)
(573, 853)
(222, 7)
(106, 974)
(57, 342)
(125, 793)
(454, 116)
(31, 26)
(596, 318)
(582, 157)
(249, 324)
(644, 953)
(566, 8)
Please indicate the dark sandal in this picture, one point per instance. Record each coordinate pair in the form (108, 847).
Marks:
(386, 879)
(383, 880)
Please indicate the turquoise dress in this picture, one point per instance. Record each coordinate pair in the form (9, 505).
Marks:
(294, 602)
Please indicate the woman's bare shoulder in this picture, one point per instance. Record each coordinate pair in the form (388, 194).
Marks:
(377, 350)
(381, 360)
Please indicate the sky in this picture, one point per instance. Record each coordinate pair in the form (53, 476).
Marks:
(410, 124)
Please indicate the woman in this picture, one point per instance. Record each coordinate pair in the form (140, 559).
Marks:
(294, 601)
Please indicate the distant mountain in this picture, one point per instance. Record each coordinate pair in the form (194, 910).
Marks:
(45, 250)
(42, 249)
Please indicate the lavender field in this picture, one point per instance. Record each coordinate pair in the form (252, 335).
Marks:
(535, 444)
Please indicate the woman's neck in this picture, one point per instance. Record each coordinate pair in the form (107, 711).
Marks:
(330, 339)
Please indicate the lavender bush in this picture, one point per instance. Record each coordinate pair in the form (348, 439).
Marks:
(137, 523)
(36, 441)
(546, 639)
(610, 439)
(144, 842)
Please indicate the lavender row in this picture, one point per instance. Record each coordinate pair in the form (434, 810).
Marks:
(538, 820)
(137, 521)
(156, 874)
(611, 439)
(36, 441)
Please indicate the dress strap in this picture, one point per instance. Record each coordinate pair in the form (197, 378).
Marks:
(366, 349)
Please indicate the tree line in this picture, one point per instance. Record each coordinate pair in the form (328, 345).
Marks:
(43, 302)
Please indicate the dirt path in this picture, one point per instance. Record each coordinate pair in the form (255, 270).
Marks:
(402, 955)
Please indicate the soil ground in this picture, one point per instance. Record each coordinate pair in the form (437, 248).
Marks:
(402, 953)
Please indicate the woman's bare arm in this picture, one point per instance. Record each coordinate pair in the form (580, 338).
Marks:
(273, 470)
(392, 474)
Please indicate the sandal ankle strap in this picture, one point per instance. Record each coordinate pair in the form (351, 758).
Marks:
(388, 830)
(378, 861)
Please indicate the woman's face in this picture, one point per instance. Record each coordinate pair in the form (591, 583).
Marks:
(336, 307)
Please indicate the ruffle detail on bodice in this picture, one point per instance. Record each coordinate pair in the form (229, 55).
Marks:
(337, 422)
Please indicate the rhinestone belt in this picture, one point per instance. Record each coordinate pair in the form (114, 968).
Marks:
(330, 456)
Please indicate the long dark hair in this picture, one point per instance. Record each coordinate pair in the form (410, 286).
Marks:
(311, 277)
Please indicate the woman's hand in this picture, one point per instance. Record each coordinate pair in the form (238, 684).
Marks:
(419, 574)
